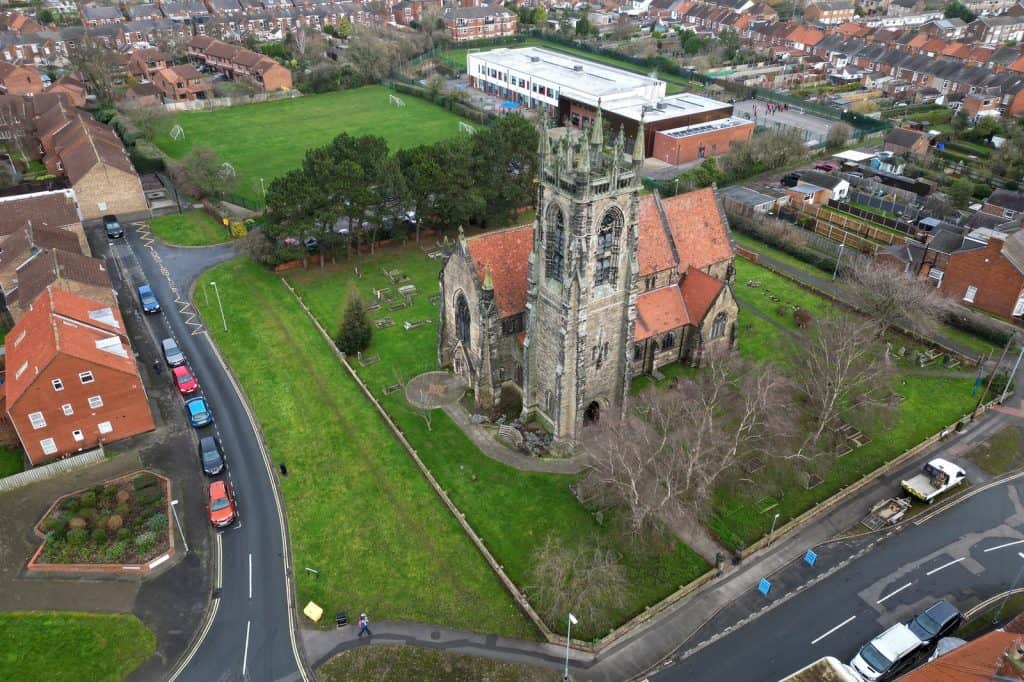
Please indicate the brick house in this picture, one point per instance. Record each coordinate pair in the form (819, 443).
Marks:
(474, 23)
(701, 140)
(906, 141)
(93, 16)
(72, 87)
(830, 12)
(1004, 203)
(72, 272)
(17, 79)
(989, 276)
(72, 382)
(996, 655)
(238, 62)
(143, 95)
(30, 223)
(181, 83)
(144, 63)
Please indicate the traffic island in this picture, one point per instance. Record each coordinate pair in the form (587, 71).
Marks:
(119, 526)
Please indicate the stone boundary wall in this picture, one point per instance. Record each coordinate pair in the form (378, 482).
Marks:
(46, 471)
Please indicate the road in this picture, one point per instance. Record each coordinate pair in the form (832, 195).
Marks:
(248, 635)
(965, 554)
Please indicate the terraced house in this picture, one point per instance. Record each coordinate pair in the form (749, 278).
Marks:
(238, 62)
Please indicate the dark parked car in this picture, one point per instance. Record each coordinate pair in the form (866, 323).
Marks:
(210, 456)
(148, 299)
(113, 227)
(790, 179)
(935, 622)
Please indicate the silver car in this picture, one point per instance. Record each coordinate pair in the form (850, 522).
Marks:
(172, 354)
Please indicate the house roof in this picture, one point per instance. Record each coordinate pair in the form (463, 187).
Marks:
(49, 266)
(507, 254)
(699, 291)
(1013, 250)
(820, 179)
(1007, 199)
(63, 323)
(977, 661)
(42, 209)
(186, 71)
(659, 311)
(144, 90)
(903, 137)
(698, 229)
(84, 144)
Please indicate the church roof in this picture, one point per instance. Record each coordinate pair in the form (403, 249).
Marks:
(697, 228)
(699, 291)
(659, 311)
(653, 252)
(507, 252)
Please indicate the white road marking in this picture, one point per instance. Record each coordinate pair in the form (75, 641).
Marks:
(954, 561)
(893, 593)
(250, 575)
(833, 630)
(245, 655)
(1008, 544)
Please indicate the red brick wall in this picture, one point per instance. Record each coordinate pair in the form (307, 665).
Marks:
(682, 150)
(276, 78)
(999, 283)
(124, 405)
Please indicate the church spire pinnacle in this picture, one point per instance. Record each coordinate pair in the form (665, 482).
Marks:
(638, 144)
(488, 284)
(597, 130)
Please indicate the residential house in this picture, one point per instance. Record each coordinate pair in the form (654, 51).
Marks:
(413, 10)
(17, 79)
(17, 23)
(994, 30)
(72, 382)
(906, 141)
(72, 87)
(144, 63)
(181, 83)
(33, 222)
(1004, 203)
(989, 276)
(838, 188)
(65, 270)
(995, 655)
(239, 62)
(750, 202)
(474, 23)
(145, 11)
(143, 95)
(829, 12)
(100, 15)
(986, 102)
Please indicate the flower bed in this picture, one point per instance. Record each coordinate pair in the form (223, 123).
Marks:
(122, 521)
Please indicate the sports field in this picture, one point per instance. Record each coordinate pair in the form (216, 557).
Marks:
(267, 140)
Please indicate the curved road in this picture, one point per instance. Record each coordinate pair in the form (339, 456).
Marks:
(966, 554)
(248, 636)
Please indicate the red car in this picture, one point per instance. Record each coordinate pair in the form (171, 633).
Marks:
(826, 166)
(221, 504)
(184, 380)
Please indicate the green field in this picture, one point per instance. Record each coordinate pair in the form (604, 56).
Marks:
(12, 461)
(63, 646)
(192, 228)
(415, 664)
(513, 511)
(268, 139)
(359, 511)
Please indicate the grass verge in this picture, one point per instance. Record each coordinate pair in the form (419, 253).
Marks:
(63, 646)
(192, 228)
(425, 665)
(986, 620)
(12, 461)
(358, 509)
(1001, 453)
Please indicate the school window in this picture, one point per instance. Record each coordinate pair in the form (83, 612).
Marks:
(970, 294)
(37, 420)
(95, 401)
(48, 445)
(86, 377)
(67, 409)
(78, 435)
(104, 427)
(58, 385)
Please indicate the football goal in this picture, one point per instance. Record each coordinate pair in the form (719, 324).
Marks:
(227, 170)
(395, 101)
(466, 128)
(177, 132)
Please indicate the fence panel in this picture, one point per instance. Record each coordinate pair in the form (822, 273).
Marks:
(51, 470)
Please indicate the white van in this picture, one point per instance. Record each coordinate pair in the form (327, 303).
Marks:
(886, 655)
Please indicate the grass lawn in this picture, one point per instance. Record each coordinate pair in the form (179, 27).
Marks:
(415, 664)
(999, 454)
(982, 622)
(358, 509)
(759, 246)
(268, 139)
(192, 228)
(513, 511)
(12, 461)
(62, 646)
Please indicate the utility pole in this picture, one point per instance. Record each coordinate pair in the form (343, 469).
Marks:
(1013, 373)
(992, 376)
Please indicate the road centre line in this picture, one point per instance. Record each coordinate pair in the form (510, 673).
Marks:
(894, 593)
(250, 575)
(833, 630)
(245, 655)
(1008, 544)
(947, 565)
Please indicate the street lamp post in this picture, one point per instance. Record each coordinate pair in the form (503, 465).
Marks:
(174, 510)
(220, 305)
(568, 638)
(1009, 379)
(771, 533)
(677, 184)
(839, 258)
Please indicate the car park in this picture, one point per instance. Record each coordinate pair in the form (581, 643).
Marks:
(148, 299)
(935, 622)
(221, 504)
(198, 412)
(172, 354)
(886, 655)
(184, 380)
(113, 227)
(211, 456)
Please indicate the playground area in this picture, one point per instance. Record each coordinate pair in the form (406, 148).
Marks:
(814, 128)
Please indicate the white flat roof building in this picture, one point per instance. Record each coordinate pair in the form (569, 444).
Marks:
(661, 109)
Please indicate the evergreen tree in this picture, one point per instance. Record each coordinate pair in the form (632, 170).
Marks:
(355, 331)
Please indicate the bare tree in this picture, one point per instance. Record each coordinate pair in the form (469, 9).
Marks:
(838, 135)
(894, 299)
(666, 454)
(150, 120)
(585, 579)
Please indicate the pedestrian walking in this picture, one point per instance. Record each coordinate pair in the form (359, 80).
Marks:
(157, 367)
(364, 625)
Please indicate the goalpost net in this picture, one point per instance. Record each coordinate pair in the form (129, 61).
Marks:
(466, 128)
(227, 170)
(177, 132)
(396, 101)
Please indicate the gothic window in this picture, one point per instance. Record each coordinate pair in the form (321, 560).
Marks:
(512, 325)
(554, 249)
(718, 326)
(607, 251)
(462, 320)
(669, 341)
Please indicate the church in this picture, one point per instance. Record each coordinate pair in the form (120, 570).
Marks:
(605, 285)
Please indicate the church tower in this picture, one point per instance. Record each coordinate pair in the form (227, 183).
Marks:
(582, 281)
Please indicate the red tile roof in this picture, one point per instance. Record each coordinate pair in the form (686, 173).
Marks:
(654, 252)
(698, 229)
(805, 35)
(1018, 65)
(977, 661)
(659, 311)
(507, 254)
(699, 291)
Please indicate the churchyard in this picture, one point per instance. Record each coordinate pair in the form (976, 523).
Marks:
(264, 141)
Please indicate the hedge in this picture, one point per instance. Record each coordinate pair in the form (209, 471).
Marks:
(980, 325)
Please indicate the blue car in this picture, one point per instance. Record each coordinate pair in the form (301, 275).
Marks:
(198, 412)
(148, 299)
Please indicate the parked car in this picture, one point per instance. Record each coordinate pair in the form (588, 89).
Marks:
(172, 354)
(148, 299)
(790, 179)
(113, 227)
(312, 244)
(184, 380)
(937, 477)
(221, 504)
(887, 654)
(935, 622)
(826, 166)
(211, 456)
(198, 412)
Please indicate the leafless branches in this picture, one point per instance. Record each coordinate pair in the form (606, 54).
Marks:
(894, 299)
